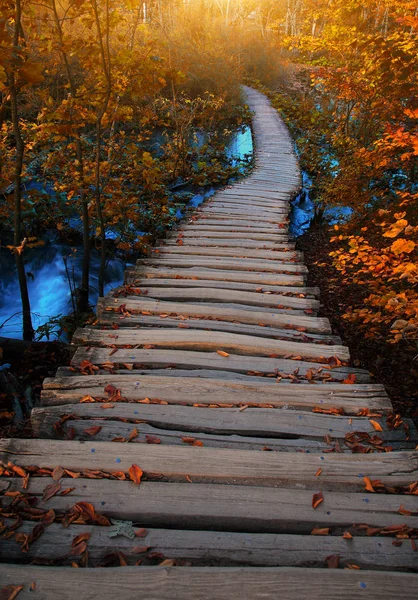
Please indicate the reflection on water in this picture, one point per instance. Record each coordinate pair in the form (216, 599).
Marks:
(49, 284)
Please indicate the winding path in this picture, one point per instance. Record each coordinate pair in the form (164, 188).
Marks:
(259, 445)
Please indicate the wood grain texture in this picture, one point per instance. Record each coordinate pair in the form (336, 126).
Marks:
(189, 339)
(219, 507)
(222, 275)
(213, 547)
(294, 470)
(208, 294)
(138, 320)
(239, 314)
(239, 264)
(208, 583)
(206, 391)
(271, 367)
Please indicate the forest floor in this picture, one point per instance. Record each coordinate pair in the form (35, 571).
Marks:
(395, 366)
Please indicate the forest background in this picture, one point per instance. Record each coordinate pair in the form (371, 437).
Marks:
(84, 85)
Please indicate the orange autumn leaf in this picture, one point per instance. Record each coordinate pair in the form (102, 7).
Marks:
(376, 425)
(92, 430)
(9, 592)
(317, 499)
(320, 531)
(369, 487)
(222, 353)
(192, 441)
(318, 473)
(347, 535)
(404, 511)
(135, 474)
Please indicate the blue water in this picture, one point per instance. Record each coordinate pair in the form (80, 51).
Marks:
(303, 210)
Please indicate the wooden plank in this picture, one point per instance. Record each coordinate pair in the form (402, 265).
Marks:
(228, 252)
(214, 219)
(191, 390)
(208, 341)
(210, 548)
(209, 294)
(258, 207)
(116, 431)
(307, 292)
(209, 583)
(252, 422)
(149, 277)
(220, 507)
(231, 233)
(267, 214)
(251, 197)
(222, 275)
(221, 243)
(238, 314)
(117, 320)
(112, 430)
(273, 367)
(64, 372)
(248, 264)
(288, 469)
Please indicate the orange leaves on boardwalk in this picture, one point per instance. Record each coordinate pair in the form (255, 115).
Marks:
(317, 499)
(135, 473)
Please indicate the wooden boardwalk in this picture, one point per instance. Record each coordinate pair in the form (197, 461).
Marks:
(211, 438)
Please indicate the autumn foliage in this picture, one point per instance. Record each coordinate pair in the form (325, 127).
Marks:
(351, 107)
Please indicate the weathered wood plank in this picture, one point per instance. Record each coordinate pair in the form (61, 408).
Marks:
(211, 547)
(252, 422)
(289, 469)
(248, 264)
(208, 583)
(231, 233)
(223, 275)
(209, 294)
(222, 507)
(282, 255)
(222, 243)
(277, 319)
(208, 341)
(116, 320)
(209, 391)
(116, 431)
(273, 367)
(148, 278)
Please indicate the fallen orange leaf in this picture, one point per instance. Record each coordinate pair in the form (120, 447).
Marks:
(317, 499)
(319, 531)
(369, 487)
(377, 426)
(135, 474)
(222, 353)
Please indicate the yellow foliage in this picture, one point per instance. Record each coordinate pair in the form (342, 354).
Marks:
(401, 245)
(396, 228)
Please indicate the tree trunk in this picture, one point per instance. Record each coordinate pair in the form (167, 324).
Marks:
(19, 153)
